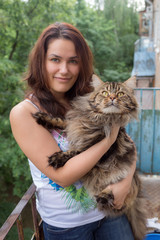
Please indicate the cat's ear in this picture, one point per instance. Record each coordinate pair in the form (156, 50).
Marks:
(131, 82)
(96, 81)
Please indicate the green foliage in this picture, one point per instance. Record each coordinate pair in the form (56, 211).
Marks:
(13, 163)
(114, 76)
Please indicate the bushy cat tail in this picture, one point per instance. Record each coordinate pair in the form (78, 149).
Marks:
(137, 217)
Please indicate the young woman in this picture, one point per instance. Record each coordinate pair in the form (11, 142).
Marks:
(61, 68)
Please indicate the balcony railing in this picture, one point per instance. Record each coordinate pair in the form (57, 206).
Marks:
(146, 131)
(15, 217)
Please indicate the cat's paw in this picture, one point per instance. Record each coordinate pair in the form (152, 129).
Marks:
(43, 119)
(57, 160)
(105, 199)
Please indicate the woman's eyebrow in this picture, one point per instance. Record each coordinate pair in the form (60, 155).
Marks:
(55, 55)
(73, 57)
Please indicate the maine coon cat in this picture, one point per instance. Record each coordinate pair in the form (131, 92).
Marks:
(88, 121)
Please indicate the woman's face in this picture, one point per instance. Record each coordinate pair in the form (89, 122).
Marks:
(62, 65)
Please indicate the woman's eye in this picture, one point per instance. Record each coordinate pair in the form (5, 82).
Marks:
(73, 61)
(120, 94)
(55, 60)
(105, 93)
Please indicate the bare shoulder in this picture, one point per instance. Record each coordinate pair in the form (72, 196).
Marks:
(21, 119)
(21, 112)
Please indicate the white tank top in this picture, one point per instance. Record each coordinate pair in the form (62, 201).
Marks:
(62, 207)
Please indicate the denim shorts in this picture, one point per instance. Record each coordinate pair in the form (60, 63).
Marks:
(106, 229)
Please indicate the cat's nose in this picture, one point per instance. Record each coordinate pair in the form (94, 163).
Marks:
(112, 97)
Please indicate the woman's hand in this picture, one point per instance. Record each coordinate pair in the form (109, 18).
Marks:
(120, 191)
(114, 133)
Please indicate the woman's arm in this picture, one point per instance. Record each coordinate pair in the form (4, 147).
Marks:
(37, 144)
(121, 189)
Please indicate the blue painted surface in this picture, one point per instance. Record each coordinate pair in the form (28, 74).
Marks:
(144, 57)
(153, 236)
(146, 135)
(144, 64)
(156, 156)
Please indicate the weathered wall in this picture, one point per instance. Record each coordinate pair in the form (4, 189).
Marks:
(156, 15)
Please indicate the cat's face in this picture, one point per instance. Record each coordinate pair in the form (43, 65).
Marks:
(113, 97)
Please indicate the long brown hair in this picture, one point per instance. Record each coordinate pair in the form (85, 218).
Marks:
(37, 76)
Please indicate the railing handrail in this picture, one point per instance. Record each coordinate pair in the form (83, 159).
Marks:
(16, 212)
(147, 88)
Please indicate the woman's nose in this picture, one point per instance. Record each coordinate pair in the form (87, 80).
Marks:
(63, 68)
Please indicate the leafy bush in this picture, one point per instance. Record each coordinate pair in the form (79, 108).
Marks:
(13, 164)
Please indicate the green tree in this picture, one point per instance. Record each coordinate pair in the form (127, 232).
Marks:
(125, 20)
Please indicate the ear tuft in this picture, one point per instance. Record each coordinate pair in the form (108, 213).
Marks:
(96, 81)
(131, 82)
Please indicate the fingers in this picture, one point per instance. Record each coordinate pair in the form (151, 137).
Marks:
(118, 206)
(118, 203)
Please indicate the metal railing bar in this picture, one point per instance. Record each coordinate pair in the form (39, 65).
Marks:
(154, 127)
(35, 218)
(16, 212)
(149, 88)
(20, 228)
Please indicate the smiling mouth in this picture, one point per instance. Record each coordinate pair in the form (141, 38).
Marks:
(63, 79)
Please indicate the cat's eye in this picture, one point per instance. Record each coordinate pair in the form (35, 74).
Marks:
(120, 94)
(105, 93)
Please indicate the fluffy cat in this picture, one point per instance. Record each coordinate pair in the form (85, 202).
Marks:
(88, 121)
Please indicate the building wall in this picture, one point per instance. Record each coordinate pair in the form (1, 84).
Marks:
(156, 15)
